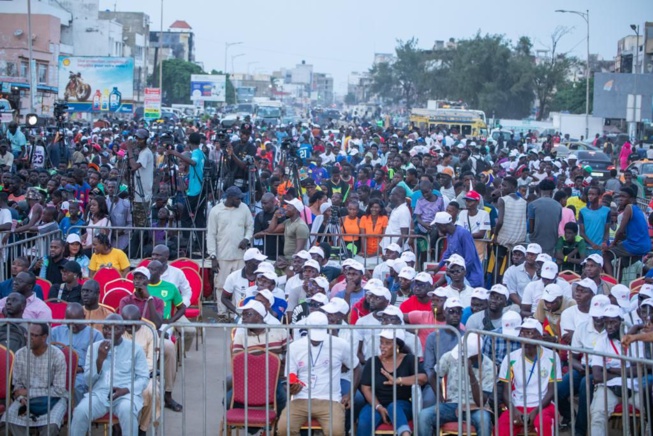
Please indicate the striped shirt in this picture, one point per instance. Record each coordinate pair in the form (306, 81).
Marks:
(277, 340)
(513, 230)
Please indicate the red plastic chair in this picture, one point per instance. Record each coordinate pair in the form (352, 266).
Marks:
(6, 367)
(389, 428)
(569, 276)
(119, 283)
(45, 285)
(451, 429)
(72, 362)
(184, 262)
(113, 297)
(257, 377)
(104, 276)
(608, 278)
(637, 283)
(145, 262)
(195, 281)
(58, 308)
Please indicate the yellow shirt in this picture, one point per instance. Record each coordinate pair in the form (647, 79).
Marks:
(577, 203)
(116, 259)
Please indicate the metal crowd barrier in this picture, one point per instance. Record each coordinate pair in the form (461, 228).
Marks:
(24, 245)
(11, 369)
(634, 421)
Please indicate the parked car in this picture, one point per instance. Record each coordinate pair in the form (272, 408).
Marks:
(643, 170)
(599, 161)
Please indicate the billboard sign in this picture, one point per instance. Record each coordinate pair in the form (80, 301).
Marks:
(97, 84)
(614, 96)
(208, 87)
(152, 104)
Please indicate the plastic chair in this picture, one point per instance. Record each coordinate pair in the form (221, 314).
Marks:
(389, 428)
(104, 276)
(45, 285)
(194, 312)
(105, 421)
(608, 278)
(6, 367)
(184, 262)
(119, 283)
(113, 297)
(637, 283)
(58, 308)
(569, 276)
(616, 417)
(258, 382)
(145, 262)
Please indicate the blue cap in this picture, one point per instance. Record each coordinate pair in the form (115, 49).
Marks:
(649, 274)
(233, 191)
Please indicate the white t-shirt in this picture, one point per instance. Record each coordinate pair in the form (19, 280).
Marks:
(539, 373)
(585, 337)
(144, 177)
(571, 318)
(325, 366)
(534, 290)
(177, 278)
(399, 219)
(465, 295)
(371, 341)
(481, 221)
(5, 218)
(381, 271)
(294, 292)
(236, 285)
(613, 347)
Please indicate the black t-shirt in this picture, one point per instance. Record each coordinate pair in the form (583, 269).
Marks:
(341, 187)
(242, 150)
(272, 244)
(71, 296)
(53, 270)
(384, 392)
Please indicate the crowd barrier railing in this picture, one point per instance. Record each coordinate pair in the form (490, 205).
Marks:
(25, 245)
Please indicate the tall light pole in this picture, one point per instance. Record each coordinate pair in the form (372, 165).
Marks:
(585, 16)
(161, 53)
(32, 73)
(636, 68)
(232, 61)
(226, 48)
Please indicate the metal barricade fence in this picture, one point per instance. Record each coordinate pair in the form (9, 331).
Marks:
(21, 365)
(252, 377)
(30, 247)
(635, 405)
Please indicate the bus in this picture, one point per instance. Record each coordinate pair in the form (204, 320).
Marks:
(470, 123)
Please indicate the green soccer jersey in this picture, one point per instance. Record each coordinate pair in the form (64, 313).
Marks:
(168, 293)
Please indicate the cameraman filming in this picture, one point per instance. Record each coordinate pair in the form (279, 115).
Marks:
(237, 155)
(142, 168)
(196, 206)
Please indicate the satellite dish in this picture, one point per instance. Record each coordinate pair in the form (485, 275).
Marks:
(18, 32)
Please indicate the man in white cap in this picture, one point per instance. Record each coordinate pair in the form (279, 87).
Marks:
(620, 296)
(405, 281)
(479, 302)
(490, 318)
(309, 270)
(254, 312)
(522, 271)
(354, 284)
(479, 375)
(529, 374)
(378, 299)
(609, 389)
(362, 307)
(393, 281)
(592, 269)
(420, 300)
(382, 270)
(549, 311)
(497, 347)
(391, 315)
(457, 287)
(316, 362)
(230, 228)
(236, 283)
(585, 337)
(399, 219)
(295, 230)
(316, 287)
(571, 318)
(548, 274)
(294, 287)
(409, 257)
(461, 242)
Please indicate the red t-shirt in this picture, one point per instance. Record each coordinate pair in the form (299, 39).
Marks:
(412, 304)
(358, 311)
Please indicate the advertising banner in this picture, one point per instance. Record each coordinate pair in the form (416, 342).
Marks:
(97, 84)
(208, 87)
(152, 104)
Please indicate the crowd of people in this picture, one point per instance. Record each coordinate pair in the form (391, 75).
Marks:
(383, 227)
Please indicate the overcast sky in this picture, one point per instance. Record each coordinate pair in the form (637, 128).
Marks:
(341, 36)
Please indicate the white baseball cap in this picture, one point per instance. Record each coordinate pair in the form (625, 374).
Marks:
(473, 344)
(267, 294)
(319, 319)
(317, 250)
(442, 218)
(551, 292)
(391, 310)
(264, 267)
(647, 290)
(598, 303)
(254, 254)
(322, 282)
(269, 275)
(319, 297)
(408, 256)
(510, 322)
(357, 266)
(572, 157)
(586, 283)
(611, 311)
(452, 302)
(480, 294)
(407, 273)
(392, 334)
(519, 248)
(534, 248)
(303, 254)
(255, 306)
(394, 247)
(438, 292)
(549, 270)
(543, 257)
(312, 263)
(456, 259)
(142, 270)
(380, 291)
(596, 258)
(72, 238)
(336, 305)
(397, 265)
(621, 293)
(500, 289)
(531, 323)
(424, 277)
(296, 203)
(373, 283)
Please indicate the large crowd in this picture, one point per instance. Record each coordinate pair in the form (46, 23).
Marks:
(308, 226)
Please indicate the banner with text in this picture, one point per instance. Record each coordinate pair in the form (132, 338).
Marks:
(152, 104)
(208, 87)
(97, 84)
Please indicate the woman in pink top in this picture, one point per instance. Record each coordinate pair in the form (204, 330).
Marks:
(626, 150)
(567, 214)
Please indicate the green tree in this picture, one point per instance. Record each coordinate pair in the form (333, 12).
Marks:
(350, 98)
(550, 74)
(176, 80)
(571, 97)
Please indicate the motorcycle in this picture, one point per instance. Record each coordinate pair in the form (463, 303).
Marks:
(76, 88)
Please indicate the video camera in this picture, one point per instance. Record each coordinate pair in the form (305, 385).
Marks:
(60, 109)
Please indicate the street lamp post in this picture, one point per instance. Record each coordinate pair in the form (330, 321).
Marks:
(232, 61)
(226, 48)
(161, 53)
(636, 68)
(585, 16)
(32, 73)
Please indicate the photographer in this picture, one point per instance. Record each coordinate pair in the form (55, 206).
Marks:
(237, 156)
(194, 214)
(142, 168)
